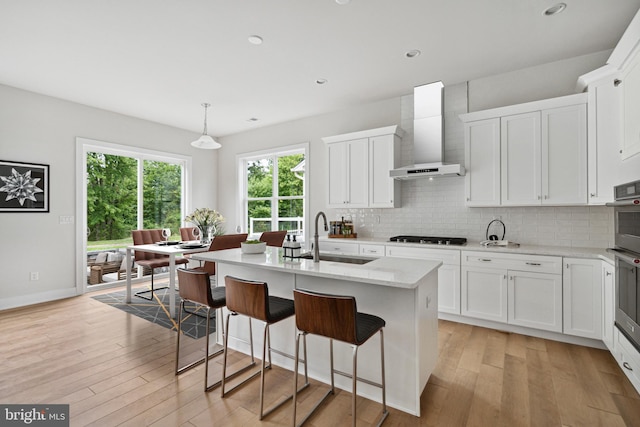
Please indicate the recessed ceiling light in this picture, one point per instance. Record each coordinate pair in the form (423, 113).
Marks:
(412, 53)
(321, 81)
(253, 39)
(343, 2)
(555, 9)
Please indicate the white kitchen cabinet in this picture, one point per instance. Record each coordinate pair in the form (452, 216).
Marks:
(564, 155)
(628, 358)
(535, 300)
(337, 246)
(358, 168)
(484, 293)
(520, 159)
(448, 273)
(582, 298)
(608, 304)
(605, 126)
(384, 155)
(542, 156)
(523, 290)
(349, 174)
(482, 160)
(630, 77)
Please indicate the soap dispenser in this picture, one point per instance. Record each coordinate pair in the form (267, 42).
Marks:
(295, 246)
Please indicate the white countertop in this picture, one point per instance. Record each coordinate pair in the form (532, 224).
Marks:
(392, 272)
(563, 251)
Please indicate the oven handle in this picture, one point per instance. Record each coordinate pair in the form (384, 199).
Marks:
(630, 202)
(625, 256)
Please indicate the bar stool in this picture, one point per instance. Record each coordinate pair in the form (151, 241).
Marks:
(195, 287)
(252, 299)
(336, 317)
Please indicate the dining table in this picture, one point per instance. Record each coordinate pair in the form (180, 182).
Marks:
(171, 250)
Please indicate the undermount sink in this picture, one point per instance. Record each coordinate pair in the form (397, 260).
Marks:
(339, 258)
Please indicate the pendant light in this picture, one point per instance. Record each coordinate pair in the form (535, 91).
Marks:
(205, 141)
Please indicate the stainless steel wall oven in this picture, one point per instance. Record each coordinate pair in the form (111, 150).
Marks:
(627, 253)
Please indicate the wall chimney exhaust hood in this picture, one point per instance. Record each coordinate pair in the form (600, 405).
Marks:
(428, 141)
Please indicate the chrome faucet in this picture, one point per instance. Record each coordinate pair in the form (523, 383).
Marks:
(316, 248)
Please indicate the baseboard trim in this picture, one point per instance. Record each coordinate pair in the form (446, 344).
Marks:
(37, 298)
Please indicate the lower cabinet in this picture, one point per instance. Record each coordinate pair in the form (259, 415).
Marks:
(448, 273)
(338, 247)
(535, 300)
(608, 304)
(523, 290)
(582, 297)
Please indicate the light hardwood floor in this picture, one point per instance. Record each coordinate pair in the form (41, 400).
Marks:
(116, 369)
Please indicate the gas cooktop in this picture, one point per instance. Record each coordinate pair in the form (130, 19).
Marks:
(430, 240)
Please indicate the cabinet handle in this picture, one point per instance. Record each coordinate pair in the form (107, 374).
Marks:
(567, 265)
(510, 277)
(539, 197)
(627, 366)
(546, 197)
(534, 263)
(505, 277)
(593, 194)
(607, 273)
(617, 82)
(468, 199)
(484, 259)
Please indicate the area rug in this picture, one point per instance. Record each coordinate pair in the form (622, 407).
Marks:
(157, 311)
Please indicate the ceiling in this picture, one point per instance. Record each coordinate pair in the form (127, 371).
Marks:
(161, 59)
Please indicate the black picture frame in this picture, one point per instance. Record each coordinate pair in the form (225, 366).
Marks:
(24, 187)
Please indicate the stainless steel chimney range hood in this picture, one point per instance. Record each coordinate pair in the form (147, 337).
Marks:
(428, 141)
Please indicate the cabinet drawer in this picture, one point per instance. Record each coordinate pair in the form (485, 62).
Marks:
(628, 358)
(339, 247)
(533, 263)
(372, 250)
(447, 256)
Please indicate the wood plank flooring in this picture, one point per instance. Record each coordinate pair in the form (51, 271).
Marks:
(115, 369)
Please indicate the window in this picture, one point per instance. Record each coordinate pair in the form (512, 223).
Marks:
(274, 191)
(123, 189)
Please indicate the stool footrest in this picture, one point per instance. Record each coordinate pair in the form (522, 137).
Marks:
(234, 374)
(364, 380)
(283, 401)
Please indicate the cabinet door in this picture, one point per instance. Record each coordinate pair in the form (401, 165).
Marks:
(449, 288)
(382, 158)
(358, 173)
(631, 109)
(604, 127)
(520, 159)
(535, 300)
(608, 305)
(564, 155)
(484, 293)
(482, 161)
(337, 157)
(582, 298)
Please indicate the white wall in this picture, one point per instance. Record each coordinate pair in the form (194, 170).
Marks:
(41, 129)
(437, 207)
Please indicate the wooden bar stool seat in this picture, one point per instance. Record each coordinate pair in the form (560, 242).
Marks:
(337, 318)
(252, 299)
(195, 287)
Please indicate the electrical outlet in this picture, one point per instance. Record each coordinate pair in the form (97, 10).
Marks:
(34, 275)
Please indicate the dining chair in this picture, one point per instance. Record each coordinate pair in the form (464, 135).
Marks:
(226, 241)
(151, 260)
(273, 238)
(186, 234)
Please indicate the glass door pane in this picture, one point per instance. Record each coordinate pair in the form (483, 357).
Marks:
(162, 196)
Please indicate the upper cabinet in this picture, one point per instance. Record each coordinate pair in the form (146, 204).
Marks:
(359, 165)
(614, 106)
(528, 154)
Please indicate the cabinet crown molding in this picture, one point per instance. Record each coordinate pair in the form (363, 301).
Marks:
(387, 130)
(561, 101)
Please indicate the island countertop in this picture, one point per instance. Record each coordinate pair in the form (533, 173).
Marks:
(392, 272)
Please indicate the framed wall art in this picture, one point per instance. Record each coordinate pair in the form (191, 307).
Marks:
(24, 187)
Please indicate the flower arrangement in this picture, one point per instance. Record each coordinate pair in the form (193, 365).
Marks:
(207, 220)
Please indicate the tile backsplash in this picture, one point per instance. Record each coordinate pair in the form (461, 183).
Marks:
(436, 207)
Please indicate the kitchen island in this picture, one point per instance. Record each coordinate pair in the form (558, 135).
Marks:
(404, 292)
